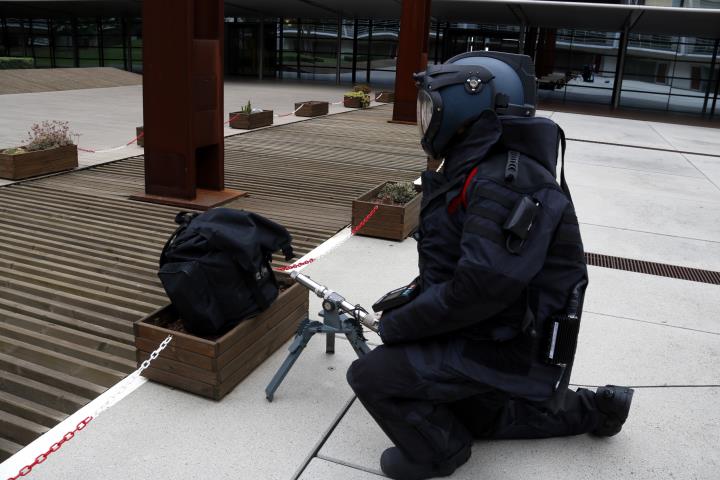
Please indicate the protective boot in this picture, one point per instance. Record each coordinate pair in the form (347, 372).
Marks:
(614, 403)
(396, 465)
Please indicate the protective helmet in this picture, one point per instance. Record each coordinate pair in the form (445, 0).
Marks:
(454, 94)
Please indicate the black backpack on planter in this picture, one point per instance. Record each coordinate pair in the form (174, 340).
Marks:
(216, 267)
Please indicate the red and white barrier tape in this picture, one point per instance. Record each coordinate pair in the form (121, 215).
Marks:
(95, 408)
(113, 149)
(327, 247)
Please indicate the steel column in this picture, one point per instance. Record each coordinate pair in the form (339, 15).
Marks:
(619, 69)
(712, 73)
(298, 49)
(124, 34)
(281, 48)
(6, 37)
(338, 53)
(129, 43)
(717, 92)
(183, 103)
(51, 42)
(368, 67)
(261, 48)
(31, 36)
(412, 57)
(101, 44)
(355, 49)
(76, 47)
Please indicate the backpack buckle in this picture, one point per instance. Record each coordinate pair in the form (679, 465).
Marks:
(519, 222)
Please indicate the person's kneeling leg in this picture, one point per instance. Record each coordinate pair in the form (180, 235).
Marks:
(412, 410)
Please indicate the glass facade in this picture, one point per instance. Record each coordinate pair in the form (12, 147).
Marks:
(74, 42)
(661, 72)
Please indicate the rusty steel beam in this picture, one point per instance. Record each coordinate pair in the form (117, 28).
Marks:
(183, 103)
(412, 57)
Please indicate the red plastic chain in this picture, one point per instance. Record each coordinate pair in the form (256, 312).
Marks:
(92, 150)
(142, 134)
(231, 119)
(364, 220)
(295, 265)
(352, 232)
(54, 448)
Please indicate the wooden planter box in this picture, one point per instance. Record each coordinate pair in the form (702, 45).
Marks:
(392, 222)
(212, 368)
(311, 108)
(352, 102)
(385, 97)
(140, 140)
(42, 162)
(248, 121)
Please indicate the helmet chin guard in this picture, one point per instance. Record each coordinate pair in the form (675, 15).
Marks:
(453, 95)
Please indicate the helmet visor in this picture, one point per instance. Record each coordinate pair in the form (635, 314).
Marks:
(424, 111)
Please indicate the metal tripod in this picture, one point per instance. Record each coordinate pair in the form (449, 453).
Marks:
(339, 316)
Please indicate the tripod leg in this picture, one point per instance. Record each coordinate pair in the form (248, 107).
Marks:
(329, 342)
(296, 347)
(359, 344)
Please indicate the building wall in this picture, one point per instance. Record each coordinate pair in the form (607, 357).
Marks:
(661, 72)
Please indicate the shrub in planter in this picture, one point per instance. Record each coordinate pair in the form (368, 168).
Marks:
(356, 100)
(362, 88)
(13, 63)
(48, 149)
(249, 118)
(398, 210)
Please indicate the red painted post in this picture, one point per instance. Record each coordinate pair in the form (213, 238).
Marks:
(412, 57)
(183, 103)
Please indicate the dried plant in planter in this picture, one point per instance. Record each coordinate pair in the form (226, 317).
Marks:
(48, 134)
(48, 148)
(398, 193)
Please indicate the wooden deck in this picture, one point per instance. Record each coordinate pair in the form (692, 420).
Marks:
(34, 80)
(78, 260)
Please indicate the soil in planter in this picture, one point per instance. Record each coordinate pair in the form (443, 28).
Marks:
(388, 201)
(176, 324)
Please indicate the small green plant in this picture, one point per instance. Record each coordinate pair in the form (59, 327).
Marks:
(400, 192)
(14, 63)
(14, 151)
(247, 108)
(364, 98)
(48, 134)
(362, 88)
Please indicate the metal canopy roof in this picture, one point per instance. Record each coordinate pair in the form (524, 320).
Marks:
(553, 14)
(698, 22)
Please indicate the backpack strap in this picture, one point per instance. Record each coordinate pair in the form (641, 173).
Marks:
(252, 283)
(563, 146)
(183, 219)
(462, 199)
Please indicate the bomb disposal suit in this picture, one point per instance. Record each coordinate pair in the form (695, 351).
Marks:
(486, 347)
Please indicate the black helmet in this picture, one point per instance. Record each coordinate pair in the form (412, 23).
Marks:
(454, 94)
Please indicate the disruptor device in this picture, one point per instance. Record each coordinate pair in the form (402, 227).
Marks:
(339, 316)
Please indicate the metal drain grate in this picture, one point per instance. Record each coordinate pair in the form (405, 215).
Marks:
(652, 268)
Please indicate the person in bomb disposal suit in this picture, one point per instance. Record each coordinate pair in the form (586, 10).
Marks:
(485, 348)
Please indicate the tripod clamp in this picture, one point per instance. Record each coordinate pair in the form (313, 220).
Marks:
(339, 316)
